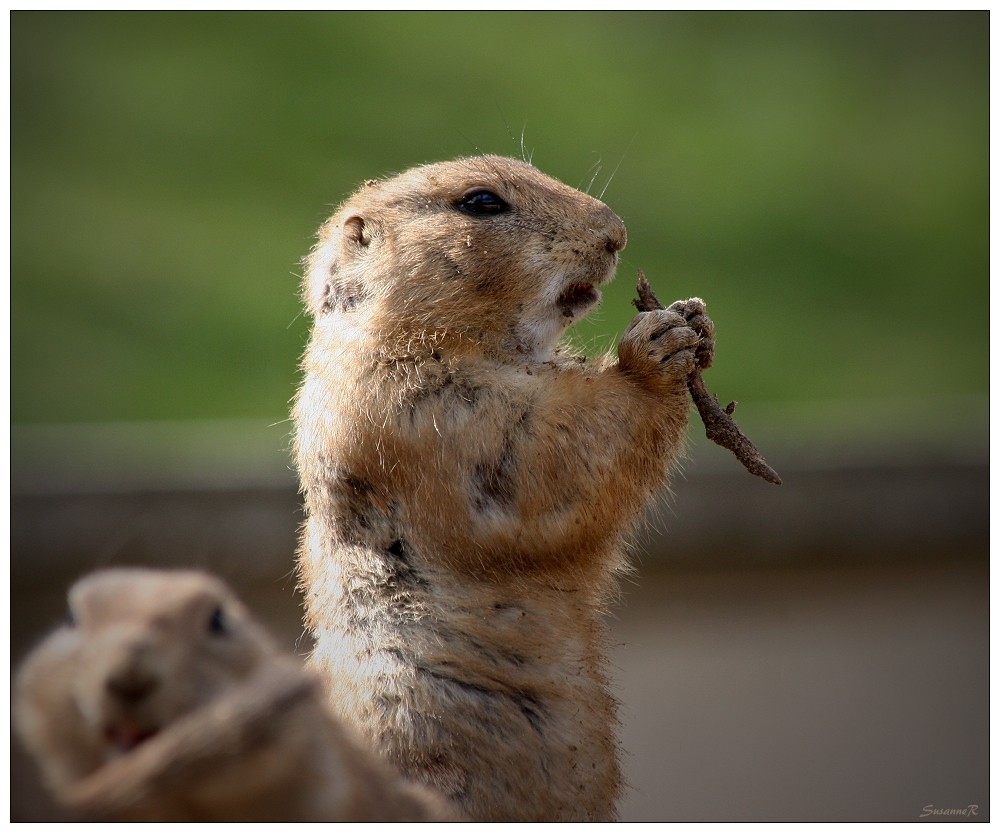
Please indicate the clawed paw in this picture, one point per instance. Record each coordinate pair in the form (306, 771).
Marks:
(693, 312)
(672, 342)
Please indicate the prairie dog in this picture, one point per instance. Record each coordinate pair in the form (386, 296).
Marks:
(469, 487)
(163, 700)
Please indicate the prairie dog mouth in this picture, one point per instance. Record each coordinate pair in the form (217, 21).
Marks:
(577, 298)
(125, 737)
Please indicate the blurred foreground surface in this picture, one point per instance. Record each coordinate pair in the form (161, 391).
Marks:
(814, 694)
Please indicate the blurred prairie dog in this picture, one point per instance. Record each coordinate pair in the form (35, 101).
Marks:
(162, 700)
(469, 487)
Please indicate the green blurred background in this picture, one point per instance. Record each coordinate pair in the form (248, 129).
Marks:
(820, 179)
(817, 651)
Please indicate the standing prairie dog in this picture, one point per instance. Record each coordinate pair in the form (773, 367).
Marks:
(469, 487)
(162, 700)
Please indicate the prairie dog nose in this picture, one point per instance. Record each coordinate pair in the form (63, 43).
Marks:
(615, 235)
(132, 680)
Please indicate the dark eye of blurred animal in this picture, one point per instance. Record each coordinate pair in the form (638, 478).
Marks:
(483, 203)
(217, 623)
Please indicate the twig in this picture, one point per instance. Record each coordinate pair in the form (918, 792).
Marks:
(719, 425)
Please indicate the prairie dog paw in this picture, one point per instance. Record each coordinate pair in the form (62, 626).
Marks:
(660, 342)
(693, 312)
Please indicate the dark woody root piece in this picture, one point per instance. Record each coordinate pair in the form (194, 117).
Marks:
(719, 425)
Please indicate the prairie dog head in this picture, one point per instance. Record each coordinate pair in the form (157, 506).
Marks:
(141, 649)
(486, 248)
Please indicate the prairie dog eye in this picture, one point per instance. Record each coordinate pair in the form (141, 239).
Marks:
(482, 203)
(217, 624)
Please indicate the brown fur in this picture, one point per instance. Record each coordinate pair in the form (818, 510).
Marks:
(469, 487)
(165, 701)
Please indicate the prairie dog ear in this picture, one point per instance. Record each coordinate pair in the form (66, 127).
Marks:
(355, 230)
(339, 246)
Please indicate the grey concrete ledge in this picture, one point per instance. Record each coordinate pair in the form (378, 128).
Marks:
(223, 496)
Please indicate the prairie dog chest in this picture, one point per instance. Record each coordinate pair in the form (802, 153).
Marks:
(437, 454)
